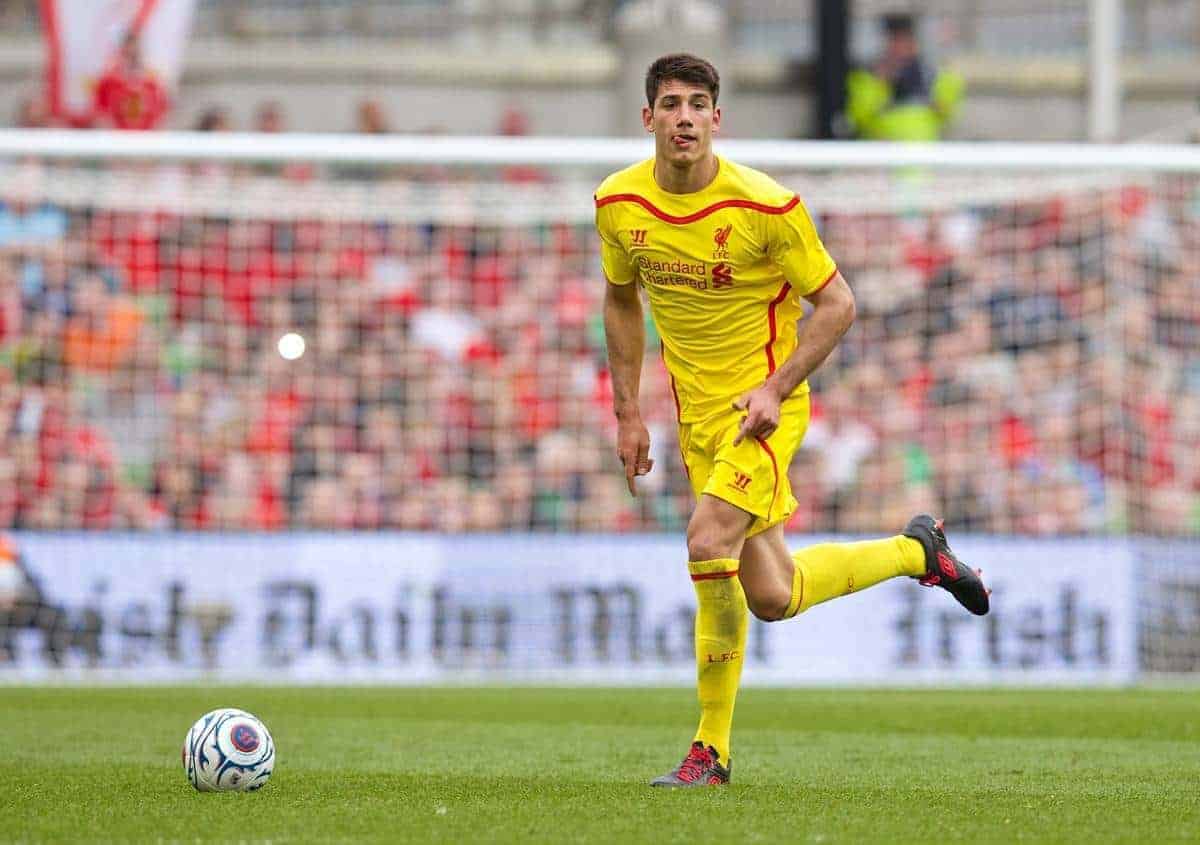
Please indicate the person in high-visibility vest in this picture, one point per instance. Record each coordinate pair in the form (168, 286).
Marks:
(901, 99)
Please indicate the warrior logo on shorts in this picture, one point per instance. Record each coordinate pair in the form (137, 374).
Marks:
(245, 738)
(740, 481)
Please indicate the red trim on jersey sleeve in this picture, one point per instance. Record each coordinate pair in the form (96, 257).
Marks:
(783, 292)
(702, 213)
(821, 286)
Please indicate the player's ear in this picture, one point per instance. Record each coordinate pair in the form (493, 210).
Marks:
(716, 121)
(648, 118)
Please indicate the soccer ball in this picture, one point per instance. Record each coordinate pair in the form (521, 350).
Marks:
(228, 750)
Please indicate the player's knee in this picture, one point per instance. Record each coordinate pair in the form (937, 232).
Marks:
(769, 608)
(705, 543)
(707, 548)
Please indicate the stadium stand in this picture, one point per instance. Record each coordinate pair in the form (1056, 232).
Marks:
(455, 376)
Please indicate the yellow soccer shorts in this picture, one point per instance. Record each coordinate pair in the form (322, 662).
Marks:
(752, 475)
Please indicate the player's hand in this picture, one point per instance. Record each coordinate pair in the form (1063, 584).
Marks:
(762, 414)
(633, 448)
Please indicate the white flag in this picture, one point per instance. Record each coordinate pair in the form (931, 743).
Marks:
(84, 40)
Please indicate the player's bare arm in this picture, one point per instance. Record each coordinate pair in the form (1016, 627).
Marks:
(625, 333)
(833, 313)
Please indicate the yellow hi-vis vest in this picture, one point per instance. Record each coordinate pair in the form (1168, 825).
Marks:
(870, 110)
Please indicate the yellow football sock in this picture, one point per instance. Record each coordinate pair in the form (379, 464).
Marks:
(721, 621)
(829, 570)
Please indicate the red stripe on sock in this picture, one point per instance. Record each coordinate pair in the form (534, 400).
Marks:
(712, 576)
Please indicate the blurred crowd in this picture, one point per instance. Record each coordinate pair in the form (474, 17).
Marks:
(270, 116)
(1029, 367)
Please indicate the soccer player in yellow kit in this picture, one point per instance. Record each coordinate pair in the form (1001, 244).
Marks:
(725, 255)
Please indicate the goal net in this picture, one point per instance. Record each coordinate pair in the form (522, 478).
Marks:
(214, 341)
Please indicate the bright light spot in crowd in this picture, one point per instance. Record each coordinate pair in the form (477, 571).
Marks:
(291, 346)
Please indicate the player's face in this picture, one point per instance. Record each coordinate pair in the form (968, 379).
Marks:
(683, 121)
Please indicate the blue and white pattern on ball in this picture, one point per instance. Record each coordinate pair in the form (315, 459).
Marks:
(228, 750)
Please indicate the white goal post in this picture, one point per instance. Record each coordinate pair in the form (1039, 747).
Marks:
(570, 151)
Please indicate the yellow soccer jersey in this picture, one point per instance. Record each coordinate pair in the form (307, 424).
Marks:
(724, 269)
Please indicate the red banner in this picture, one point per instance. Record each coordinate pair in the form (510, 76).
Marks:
(114, 63)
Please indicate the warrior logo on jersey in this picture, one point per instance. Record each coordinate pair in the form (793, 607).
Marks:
(721, 239)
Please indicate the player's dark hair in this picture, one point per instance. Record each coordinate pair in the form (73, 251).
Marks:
(682, 67)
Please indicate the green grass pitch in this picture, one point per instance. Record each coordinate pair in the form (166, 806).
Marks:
(571, 765)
